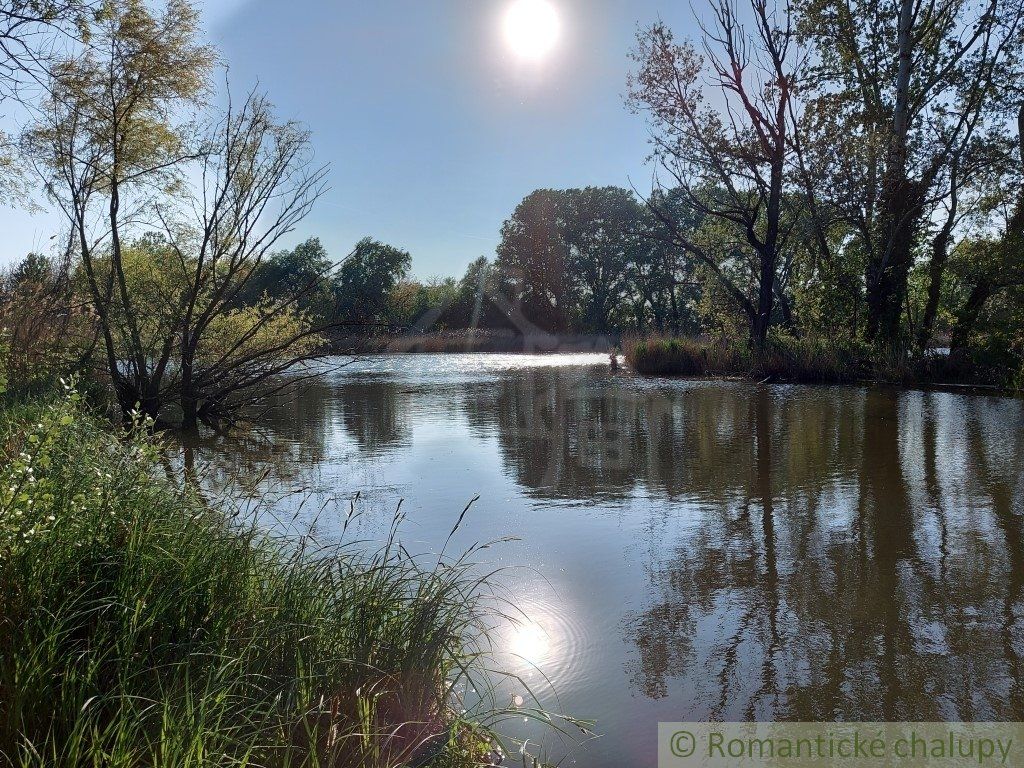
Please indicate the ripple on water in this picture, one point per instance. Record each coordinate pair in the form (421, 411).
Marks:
(545, 644)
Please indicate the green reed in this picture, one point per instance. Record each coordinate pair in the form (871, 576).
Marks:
(143, 626)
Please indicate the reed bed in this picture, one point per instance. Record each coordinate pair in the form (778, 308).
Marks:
(781, 359)
(143, 626)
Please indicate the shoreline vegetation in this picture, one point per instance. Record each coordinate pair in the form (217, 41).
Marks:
(809, 361)
(782, 359)
(471, 341)
(818, 213)
(143, 625)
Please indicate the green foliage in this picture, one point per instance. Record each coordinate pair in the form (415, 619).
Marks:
(255, 331)
(565, 256)
(813, 359)
(412, 302)
(44, 332)
(686, 356)
(5, 365)
(783, 358)
(141, 626)
(303, 271)
(364, 284)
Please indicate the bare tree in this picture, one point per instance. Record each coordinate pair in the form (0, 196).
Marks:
(258, 180)
(730, 162)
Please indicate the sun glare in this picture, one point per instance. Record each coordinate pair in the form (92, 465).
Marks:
(530, 643)
(532, 28)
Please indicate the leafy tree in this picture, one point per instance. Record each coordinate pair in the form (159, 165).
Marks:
(119, 154)
(366, 279)
(533, 260)
(601, 227)
(564, 256)
(304, 269)
(907, 97)
(107, 147)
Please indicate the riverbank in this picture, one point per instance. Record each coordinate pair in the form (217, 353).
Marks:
(809, 361)
(142, 625)
(471, 341)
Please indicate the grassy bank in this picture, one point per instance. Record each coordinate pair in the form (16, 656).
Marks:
(805, 360)
(140, 626)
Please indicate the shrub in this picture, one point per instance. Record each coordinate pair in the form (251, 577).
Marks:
(813, 360)
(784, 358)
(685, 357)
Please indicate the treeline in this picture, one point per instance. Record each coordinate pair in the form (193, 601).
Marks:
(850, 174)
(846, 170)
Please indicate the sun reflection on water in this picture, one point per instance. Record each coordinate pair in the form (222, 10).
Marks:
(530, 642)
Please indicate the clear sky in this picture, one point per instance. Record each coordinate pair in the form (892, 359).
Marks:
(434, 125)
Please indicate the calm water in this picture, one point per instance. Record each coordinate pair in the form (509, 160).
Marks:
(693, 549)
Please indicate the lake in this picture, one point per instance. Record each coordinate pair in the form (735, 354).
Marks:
(688, 549)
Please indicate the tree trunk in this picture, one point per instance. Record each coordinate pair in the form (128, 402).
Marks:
(888, 269)
(968, 315)
(936, 270)
(189, 404)
(765, 303)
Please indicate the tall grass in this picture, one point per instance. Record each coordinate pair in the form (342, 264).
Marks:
(782, 358)
(669, 356)
(141, 627)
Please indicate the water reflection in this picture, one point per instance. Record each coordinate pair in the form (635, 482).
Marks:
(886, 589)
(700, 549)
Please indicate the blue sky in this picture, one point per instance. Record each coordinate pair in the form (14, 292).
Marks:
(434, 129)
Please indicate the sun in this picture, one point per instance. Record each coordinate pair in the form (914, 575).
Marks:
(532, 28)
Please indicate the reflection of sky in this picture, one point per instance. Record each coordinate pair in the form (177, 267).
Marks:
(652, 589)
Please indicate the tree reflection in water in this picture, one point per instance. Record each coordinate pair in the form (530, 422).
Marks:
(848, 553)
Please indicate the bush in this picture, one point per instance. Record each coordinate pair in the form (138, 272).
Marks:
(141, 626)
(685, 357)
(813, 360)
(783, 358)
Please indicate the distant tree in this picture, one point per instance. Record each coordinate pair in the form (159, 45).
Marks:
(533, 260)
(289, 271)
(602, 227)
(564, 256)
(45, 330)
(474, 305)
(662, 281)
(366, 280)
(419, 306)
(33, 269)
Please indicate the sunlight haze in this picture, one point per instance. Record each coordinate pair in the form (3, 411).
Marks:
(432, 145)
